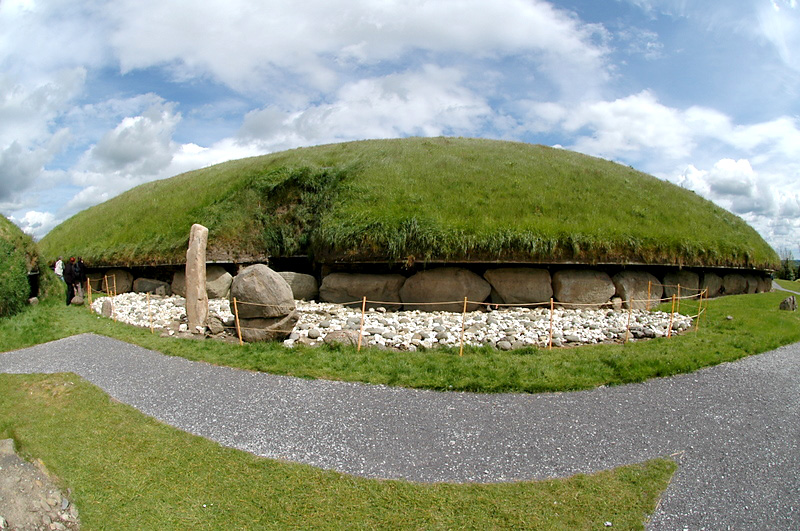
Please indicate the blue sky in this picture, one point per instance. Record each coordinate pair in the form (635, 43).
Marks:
(97, 97)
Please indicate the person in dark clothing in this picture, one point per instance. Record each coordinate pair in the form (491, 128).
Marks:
(79, 272)
(69, 278)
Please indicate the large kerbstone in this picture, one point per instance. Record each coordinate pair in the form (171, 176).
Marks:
(752, 283)
(689, 282)
(218, 282)
(444, 285)
(734, 284)
(178, 284)
(268, 329)
(582, 286)
(382, 290)
(119, 280)
(520, 285)
(304, 287)
(713, 283)
(764, 284)
(642, 289)
(260, 292)
(149, 285)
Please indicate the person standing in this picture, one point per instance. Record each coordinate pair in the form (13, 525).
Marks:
(79, 272)
(69, 278)
(59, 268)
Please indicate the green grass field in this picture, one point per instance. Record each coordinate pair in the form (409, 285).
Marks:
(416, 199)
(129, 471)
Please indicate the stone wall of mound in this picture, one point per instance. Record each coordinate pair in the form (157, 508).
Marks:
(445, 288)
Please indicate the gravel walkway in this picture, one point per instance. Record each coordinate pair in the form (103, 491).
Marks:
(734, 429)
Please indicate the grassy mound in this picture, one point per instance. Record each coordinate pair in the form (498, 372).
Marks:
(416, 199)
(17, 257)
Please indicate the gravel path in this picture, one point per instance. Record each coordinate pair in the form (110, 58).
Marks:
(734, 429)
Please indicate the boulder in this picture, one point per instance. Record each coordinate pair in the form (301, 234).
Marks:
(582, 286)
(149, 285)
(734, 284)
(119, 280)
(713, 283)
(268, 328)
(178, 284)
(344, 337)
(447, 285)
(304, 287)
(689, 282)
(789, 304)
(382, 290)
(218, 282)
(77, 300)
(519, 285)
(636, 286)
(107, 308)
(261, 293)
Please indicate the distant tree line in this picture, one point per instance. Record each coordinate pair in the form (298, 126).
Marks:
(790, 268)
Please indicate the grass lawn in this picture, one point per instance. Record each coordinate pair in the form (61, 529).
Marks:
(792, 285)
(128, 471)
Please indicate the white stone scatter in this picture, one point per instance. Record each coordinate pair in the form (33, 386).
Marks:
(504, 328)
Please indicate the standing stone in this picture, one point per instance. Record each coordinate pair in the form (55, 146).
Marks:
(196, 297)
(448, 285)
(635, 286)
(582, 286)
(520, 285)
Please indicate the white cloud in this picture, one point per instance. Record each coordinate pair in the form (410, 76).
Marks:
(325, 39)
(35, 223)
(430, 102)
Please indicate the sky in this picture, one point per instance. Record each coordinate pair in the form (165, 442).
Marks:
(97, 97)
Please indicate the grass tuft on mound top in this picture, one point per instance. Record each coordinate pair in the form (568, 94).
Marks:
(416, 199)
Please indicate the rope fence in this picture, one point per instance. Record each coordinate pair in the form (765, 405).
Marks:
(700, 295)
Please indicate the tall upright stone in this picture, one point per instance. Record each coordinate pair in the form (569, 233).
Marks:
(196, 297)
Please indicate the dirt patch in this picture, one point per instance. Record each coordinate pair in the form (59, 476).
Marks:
(29, 499)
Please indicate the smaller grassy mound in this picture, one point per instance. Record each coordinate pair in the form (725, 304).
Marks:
(18, 256)
(416, 199)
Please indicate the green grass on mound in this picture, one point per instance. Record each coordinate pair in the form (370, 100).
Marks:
(416, 199)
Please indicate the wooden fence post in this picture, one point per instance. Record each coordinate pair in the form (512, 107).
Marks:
(236, 316)
(463, 321)
(361, 328)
